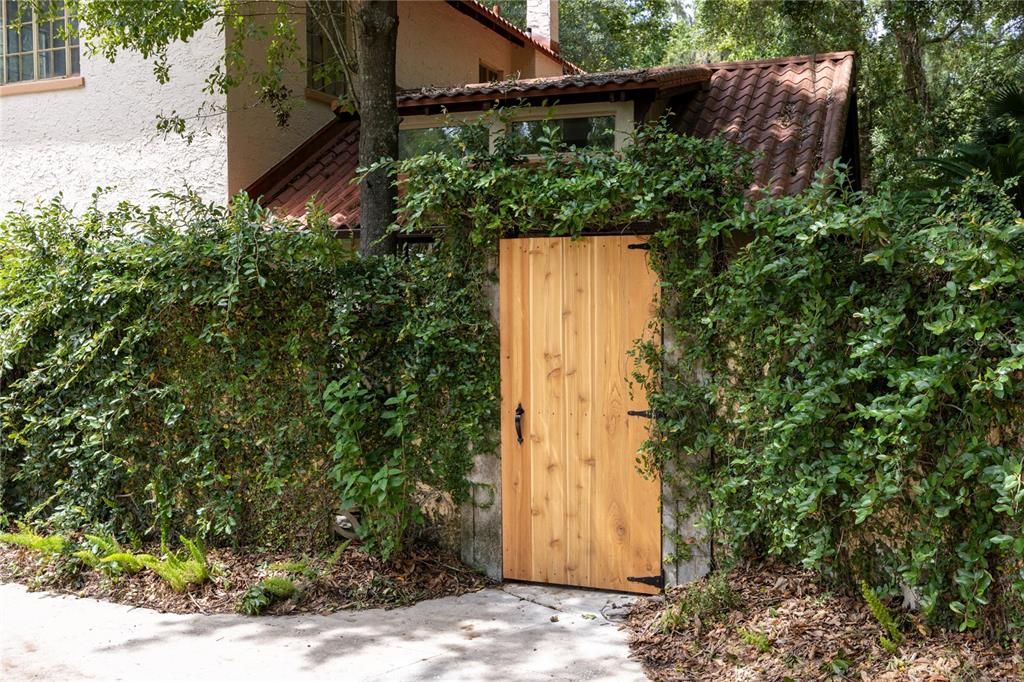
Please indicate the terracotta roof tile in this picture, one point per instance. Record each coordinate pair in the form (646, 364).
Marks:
(791, 113)
(657, 78)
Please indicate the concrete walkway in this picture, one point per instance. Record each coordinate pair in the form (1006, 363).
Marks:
(517, 632)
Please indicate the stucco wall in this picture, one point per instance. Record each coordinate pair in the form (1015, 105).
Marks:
(255, 140)
(437, 45)
(104, 133)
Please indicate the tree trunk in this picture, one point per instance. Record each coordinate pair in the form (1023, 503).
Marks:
(911, 51)
(376, 41)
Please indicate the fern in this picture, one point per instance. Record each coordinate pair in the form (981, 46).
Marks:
(169, 569)
(197, 566)
(122, 562)
(291, 567)
(105, 544)
(179, 573)
(335, 556)
(884, 618)
(88, 557)
(30, 540)
(282, 588)
(758, 640)
(265, 593)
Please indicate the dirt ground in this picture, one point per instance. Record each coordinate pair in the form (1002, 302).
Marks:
(783, 625)
(354, 581)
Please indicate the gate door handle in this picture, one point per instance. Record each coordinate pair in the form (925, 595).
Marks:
(519, 422)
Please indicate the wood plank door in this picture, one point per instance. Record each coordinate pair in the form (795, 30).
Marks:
(575, 510)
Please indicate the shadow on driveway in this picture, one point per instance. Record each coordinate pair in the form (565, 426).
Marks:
(516, 633)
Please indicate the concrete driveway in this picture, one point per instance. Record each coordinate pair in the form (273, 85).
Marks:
(516, 632)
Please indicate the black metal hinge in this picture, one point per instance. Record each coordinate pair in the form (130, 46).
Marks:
(642, 245)
(641, 413)
(653, 580)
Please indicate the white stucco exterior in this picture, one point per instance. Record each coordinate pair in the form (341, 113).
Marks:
(104, 133)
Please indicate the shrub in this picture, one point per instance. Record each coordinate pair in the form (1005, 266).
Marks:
(215, 373)
(848, 386)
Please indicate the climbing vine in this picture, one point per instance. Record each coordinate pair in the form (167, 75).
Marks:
(840, 378)
(839, 381)
(847, 389)
(213, 372)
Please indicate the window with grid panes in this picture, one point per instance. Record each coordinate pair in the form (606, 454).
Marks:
(34, 44)
(323, 70)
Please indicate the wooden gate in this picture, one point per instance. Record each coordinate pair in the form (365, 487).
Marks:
(575, 510)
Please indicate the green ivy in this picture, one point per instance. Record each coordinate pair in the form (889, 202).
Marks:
(212, 372)
(841, 374)
(848, 388)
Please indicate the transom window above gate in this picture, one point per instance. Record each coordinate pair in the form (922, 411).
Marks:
(578, 132)
(451, 140)
(529, 129)
(35, 43)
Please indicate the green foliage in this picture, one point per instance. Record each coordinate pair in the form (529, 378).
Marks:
(122, 562)
(214, 373)
(176, 571)
(848, 385)
(265, 594)
(999, 147)
(604, 35)
(291, 567)
(962, 51)
(881, 613)
(162, 371)
(29, 539)
(416, 391)
(104, 552)
(336, 555)
(660, 177)
(758, 640)
(699, 603)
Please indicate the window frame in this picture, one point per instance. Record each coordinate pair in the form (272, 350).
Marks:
(37, 83)
(484, 66)
(317, 91)
(621, 111)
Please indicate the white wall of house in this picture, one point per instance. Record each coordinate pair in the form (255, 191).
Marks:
(104, 133)
(74, 140)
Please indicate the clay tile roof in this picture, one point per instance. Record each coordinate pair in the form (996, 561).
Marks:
(657, 78)
(322, 167)
(790, 112)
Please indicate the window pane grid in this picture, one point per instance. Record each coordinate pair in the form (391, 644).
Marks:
(33, 46)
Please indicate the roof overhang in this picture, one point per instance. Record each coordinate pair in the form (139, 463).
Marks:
(613, 85)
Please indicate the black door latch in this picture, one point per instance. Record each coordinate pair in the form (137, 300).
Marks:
(519, 423)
